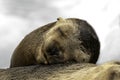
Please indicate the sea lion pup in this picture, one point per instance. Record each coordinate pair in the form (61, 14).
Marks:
(58, 42)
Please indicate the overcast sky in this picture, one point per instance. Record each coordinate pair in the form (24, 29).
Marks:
(19, 17)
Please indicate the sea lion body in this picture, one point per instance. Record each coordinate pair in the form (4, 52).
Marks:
(58, 42)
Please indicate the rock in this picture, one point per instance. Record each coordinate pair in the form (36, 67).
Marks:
(69, 71)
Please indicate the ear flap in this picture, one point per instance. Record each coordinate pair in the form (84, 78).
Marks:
(60, 19)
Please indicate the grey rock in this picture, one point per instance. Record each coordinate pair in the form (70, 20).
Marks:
(69, 71)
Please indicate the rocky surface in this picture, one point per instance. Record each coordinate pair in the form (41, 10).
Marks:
(69, 71)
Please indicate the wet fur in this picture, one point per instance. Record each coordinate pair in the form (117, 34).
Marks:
(77, 38)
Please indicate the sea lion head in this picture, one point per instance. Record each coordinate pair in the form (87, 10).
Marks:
(61, 44)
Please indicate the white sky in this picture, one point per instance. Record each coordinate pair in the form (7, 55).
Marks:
(18, 19)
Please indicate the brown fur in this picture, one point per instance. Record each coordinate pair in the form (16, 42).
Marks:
(65, 40)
